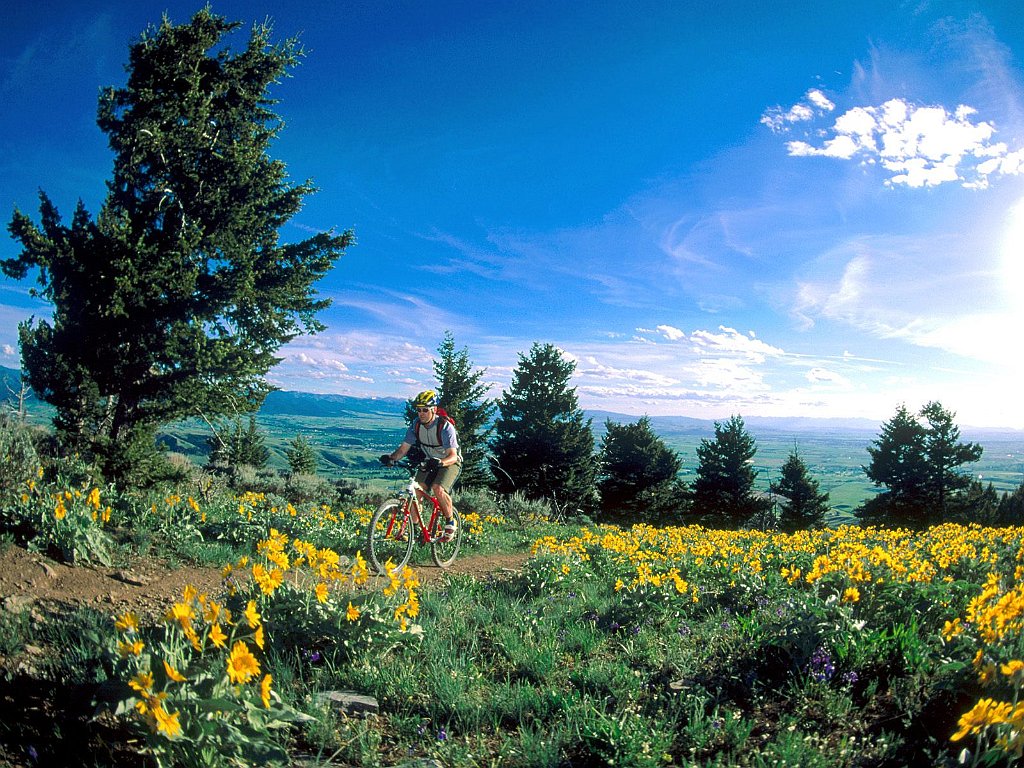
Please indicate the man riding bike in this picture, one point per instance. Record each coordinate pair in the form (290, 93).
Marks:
(435, 434)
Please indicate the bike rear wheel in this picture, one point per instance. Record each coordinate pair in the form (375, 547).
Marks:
(445, 552)
(389, 538)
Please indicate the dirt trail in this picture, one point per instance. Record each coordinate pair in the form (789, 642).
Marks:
(148, 586)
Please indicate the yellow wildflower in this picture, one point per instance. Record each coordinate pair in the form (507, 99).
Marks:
(130, 649)
(217, 636)
(142, 682)
(129, 622)
(321, 592)
(986, 712)
(1013, 668)
(242, 665)
(352, 613)
(173, 674)
(183, 613)
(252, 615)
(166, 722)
(265, 690)
(851, 595)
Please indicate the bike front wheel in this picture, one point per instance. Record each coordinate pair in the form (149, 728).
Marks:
(389, 538)
(445, 552)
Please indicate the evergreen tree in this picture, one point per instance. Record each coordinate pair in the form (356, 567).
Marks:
(239, 445)
(898, 462)
(541, 437)
(805, 506)
(917, 466)
(1011, 508)
(723, 490)
(639, 475)
(301, 456)
(463, 396)
(945, 454)
(174, 300)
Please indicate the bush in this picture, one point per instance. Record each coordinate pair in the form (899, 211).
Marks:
(18, 458)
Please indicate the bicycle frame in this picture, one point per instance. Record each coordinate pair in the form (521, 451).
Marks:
(412, 512)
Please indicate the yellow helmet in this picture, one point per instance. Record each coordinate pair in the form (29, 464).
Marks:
(426, 399)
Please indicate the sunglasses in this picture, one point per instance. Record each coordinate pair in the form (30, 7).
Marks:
(422, 410)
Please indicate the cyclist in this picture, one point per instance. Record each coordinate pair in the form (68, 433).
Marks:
(435, 434)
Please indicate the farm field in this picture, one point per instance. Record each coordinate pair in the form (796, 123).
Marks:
(350, 433)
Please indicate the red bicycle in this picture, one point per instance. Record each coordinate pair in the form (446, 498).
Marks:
(397, 522)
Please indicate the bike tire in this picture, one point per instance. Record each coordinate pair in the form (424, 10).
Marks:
(383, 545)
(445, 552)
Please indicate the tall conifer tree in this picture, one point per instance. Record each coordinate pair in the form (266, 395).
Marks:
(176, 297)
(462, 393)
(723, 489)
(542, 438)
(804, 505)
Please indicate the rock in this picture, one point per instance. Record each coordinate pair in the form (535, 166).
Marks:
(18, 603)
(132, 578)
(48, 570)
(349, 702)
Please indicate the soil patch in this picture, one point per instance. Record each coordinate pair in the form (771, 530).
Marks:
(148, 586)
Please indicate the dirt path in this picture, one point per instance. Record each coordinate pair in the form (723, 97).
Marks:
(148, 586)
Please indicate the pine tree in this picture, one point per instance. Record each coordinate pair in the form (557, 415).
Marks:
(301, 456)
(945, 453)
(174, 300)
(805, 506)
(917, 466)
(541, 438)
(639, 475)
(723, 489)
(239, 445)
(463, 396)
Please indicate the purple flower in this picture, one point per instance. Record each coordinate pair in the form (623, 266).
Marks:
(442, 735)
(683, 630)
(821, 667)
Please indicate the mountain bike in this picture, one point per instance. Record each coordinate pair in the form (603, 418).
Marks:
(397, 522)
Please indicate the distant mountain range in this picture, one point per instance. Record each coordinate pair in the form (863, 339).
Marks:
(311, 405)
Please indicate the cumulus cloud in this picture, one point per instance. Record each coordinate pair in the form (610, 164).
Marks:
(8, 349)
(919, 146)
(671, 333)
(815, 103)
(731, 342)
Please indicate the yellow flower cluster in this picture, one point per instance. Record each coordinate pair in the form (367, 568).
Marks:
(408, 579)
(61, 499)
(303, 561)
(201, 622)
(857, 557)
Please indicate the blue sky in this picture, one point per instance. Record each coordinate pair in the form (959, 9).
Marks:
(714, 208)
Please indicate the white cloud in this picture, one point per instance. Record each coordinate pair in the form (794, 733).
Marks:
(731, 342)
(671, 333)
(816, 103)
(597, 370)
(9, 350)
(920, 146)
(818, 375)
